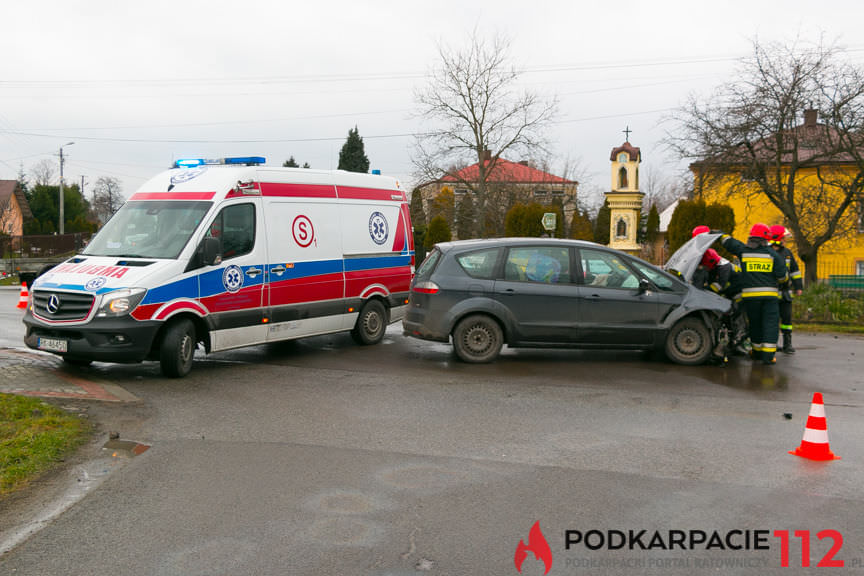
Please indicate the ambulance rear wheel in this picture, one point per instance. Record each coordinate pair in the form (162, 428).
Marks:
(177, 349)
(371, 323)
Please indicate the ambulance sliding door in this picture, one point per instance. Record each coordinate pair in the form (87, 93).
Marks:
(375, 248)
(306, 280)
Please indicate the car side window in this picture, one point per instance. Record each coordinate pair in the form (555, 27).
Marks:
(479, 264)
(607, 270)
(661, 280)
(235, 226)
(544, 264)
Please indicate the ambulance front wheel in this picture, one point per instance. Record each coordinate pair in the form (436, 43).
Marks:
(178, 348)
(371, 323)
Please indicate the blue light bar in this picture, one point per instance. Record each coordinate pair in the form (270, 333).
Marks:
(247, 160)
(236, 161)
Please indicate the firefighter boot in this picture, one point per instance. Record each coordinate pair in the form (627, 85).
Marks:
(787, 342)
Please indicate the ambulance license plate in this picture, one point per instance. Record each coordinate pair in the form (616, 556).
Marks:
(51, 344)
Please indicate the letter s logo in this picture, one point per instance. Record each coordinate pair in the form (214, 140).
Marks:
(303, 231)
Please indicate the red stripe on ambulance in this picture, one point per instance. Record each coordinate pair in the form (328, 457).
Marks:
(275, 189)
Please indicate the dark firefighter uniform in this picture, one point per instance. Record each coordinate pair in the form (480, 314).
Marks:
(762, 272)
(717, 274)
(795, 284)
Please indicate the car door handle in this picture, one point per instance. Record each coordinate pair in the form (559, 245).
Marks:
(278, 270)
(509, 291)
(253, 272)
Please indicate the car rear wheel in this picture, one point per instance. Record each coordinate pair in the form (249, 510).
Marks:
(477, 339)
(371, 324)
(178, 349)
(689, 342)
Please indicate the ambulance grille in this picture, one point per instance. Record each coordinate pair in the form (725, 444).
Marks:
(62, 305)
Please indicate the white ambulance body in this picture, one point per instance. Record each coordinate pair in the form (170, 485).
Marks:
(228, 255)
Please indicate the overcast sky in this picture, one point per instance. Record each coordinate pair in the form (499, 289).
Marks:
(137, 85)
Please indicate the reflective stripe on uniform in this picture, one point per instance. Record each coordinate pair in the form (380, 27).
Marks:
(769, 348)
(796, 275)
(787, 327)
(762, 291)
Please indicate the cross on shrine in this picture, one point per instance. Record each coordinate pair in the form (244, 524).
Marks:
(627, 134)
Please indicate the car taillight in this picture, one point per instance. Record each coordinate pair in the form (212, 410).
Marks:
(426, 288)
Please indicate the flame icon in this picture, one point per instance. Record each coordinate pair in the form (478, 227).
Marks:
(536, 544)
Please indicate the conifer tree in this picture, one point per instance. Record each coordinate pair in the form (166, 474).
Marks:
(352, 157)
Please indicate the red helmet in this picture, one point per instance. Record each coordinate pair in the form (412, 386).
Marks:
(700, 230)
(778, 232)
(711, 258)
(760, 230)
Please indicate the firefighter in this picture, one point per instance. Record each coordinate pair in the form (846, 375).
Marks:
(719, 275)
(778, 233)
(762, 272)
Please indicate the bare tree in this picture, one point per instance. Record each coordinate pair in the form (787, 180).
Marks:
(107, 198)
(44, 172)
(476, 115)
(662, 190)
(749, 138)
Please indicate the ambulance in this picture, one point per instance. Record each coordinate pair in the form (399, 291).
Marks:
(226, 253)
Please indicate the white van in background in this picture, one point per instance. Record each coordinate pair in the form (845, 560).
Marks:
(228, 253)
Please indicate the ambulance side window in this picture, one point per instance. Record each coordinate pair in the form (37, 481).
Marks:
(235, 226)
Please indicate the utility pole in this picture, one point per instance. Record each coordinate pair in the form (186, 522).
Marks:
(62, 215)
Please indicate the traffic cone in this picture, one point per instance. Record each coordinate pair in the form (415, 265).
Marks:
(22, 300)
(815, 446)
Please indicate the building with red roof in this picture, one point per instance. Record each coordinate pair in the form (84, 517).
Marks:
(507, 183)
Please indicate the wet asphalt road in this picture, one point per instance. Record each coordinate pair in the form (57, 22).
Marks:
(322, 457)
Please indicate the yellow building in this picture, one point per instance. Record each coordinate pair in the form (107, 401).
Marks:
(817, 187)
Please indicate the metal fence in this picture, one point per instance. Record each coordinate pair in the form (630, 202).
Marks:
(42, 245)
(837, 298)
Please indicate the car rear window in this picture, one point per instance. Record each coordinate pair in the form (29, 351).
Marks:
(428, 265)
(479, 264)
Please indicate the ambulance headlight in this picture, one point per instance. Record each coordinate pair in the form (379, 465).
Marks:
(120, 302)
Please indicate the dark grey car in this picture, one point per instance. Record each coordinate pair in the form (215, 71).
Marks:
(531, 292)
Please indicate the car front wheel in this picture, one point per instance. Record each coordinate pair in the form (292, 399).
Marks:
(178, 349)
(689, 342)
(477, 339)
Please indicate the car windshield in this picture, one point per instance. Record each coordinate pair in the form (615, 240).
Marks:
(149, 229)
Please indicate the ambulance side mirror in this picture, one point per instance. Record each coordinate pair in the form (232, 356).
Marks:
(211, 251)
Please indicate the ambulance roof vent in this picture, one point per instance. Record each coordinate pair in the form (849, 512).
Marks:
(235, 161)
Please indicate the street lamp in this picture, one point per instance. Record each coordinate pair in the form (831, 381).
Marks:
(61, 186)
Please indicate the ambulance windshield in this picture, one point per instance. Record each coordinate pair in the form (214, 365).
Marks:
(149, 229)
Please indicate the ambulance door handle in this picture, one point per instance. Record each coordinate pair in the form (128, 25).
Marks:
(278, 270)
(253, 272)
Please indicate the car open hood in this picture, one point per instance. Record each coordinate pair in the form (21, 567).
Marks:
(686, 259)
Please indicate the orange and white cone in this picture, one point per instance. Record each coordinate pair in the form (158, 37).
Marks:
(25, 296)
(815, 446)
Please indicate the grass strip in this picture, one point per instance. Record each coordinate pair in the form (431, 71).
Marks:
(34, 437)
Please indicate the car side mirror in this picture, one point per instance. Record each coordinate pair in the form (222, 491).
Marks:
(211, 251)
(644, 285)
